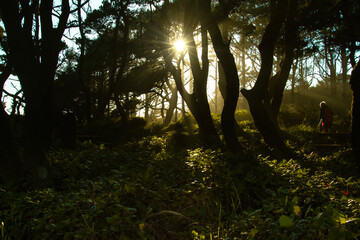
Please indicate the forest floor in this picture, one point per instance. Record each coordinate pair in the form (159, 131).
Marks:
(163, 185)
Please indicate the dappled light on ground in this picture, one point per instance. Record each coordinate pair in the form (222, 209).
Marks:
(150, 188)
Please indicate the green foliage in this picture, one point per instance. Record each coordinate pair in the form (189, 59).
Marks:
(291, 117)
(113, 129)
(154, 188)
(243, 115)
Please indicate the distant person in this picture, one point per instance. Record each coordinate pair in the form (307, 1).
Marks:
(326, 117)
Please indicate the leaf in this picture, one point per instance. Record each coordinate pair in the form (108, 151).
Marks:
(338, 217)
(297, 210)
(295, 200)
(342, 220)
(253, 232)
(111, 181)
(141, 226)
(285, 222)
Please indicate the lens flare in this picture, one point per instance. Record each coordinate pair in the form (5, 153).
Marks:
(179, 45)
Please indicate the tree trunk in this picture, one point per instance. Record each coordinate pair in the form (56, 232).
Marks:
(200, 75)
(331, 64)
(232, 80)
(197, 100)
(36, 71)
(355, 111)
(344, 64)
(80, 66)
(258, 96)
(147, 103)
(291, 30)
(206, 129)
(11, 169)
(172, 104)
(293, 79)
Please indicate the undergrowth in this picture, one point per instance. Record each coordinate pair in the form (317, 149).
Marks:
(153, 189)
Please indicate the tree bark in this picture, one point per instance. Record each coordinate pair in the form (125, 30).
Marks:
(11, 168)
(35, 66)
(172, 104)
(204, 119)
(291, 30)
(258, 96)
(196, 101)
(344, 70)
(232, 80)
(355, 111)
(293, 79)
(81, 63)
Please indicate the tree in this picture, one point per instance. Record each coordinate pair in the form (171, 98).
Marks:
(280, 78)
(349, 35)
(258, 96)
(11, 168)
(183, 12)
(35, 60)
(232, 80)
(81, 61)
(346, 36)
(355, 110)
(197, 101)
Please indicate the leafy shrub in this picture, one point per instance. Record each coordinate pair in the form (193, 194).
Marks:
(243, 115)
(290, 118)
(147, 189)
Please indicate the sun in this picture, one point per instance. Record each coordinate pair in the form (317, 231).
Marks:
(179, 45)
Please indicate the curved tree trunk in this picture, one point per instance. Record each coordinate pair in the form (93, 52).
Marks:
(258, 97)
(206, 127)
(291, 30)
(197, 101)
(232, 80)
(355, 111)
(200, 74)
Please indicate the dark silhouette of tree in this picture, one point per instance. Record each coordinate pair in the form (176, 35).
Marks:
(258, 96)
(355, 110)
(280, 78)
(232, 80)
(35, 60)
(343, 33)
(172, 103)
(11, 168)
(347, 37)
(81, 62)
(185, 12)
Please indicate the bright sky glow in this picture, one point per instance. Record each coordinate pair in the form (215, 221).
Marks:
(179, 45)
